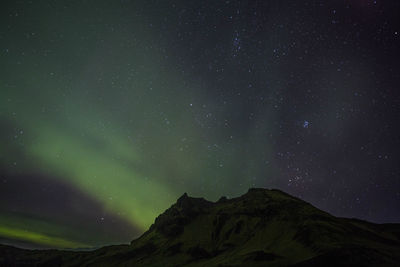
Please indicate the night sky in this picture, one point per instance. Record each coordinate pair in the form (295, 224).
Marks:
(110, 110)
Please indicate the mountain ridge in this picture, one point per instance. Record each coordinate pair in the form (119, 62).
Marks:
(263, 226)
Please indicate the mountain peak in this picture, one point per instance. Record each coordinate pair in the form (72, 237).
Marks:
(256, 189)
(182, 199)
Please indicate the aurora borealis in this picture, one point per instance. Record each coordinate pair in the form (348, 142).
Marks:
(110, 110)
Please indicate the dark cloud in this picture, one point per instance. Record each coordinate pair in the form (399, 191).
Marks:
(43, 199)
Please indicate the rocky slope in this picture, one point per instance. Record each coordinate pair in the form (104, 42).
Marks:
(262, 227)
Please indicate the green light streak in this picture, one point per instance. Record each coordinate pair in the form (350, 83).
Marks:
(38, 238)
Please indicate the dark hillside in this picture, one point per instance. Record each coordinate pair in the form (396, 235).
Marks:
(261, 227)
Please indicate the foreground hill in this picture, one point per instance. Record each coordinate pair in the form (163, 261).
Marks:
(262, 227)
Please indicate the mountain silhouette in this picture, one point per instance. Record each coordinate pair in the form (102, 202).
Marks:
(260, 228)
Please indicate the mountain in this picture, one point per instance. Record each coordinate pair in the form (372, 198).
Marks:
(261, 228)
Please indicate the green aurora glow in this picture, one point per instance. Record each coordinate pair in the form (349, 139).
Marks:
(119, 124)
